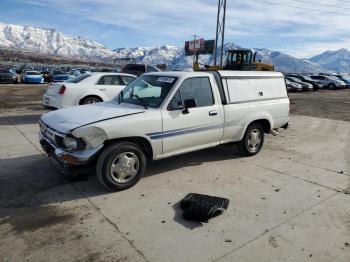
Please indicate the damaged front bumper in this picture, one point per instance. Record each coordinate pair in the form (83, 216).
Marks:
(66, 157)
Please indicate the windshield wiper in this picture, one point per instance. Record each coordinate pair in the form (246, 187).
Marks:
(143, 102)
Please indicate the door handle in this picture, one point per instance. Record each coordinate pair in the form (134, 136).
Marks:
(261, 93)
(102, 89)
(213, 113)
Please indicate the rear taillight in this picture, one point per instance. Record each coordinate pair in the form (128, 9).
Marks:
(62, 90)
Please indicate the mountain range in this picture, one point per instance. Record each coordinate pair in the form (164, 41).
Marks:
(53, 42)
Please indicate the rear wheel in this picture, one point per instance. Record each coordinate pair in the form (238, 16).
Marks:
(90, 100)
(252, 141)
(121, 165)
(331, 86)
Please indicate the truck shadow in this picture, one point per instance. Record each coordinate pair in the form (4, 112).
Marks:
(219, 153)
(32, 181)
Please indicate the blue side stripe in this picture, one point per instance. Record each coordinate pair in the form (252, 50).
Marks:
(178, 132)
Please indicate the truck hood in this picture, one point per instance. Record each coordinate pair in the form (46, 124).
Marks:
(66, 119)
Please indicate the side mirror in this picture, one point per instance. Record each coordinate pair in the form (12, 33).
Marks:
(189, 103)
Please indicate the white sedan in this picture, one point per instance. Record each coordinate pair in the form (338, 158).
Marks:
(84, 89)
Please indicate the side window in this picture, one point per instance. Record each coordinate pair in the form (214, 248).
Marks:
(198, 88)
(175, 102)
(127, 79)
(116, 81)
(109, 80)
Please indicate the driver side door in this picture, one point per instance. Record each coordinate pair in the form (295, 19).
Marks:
(195, 128)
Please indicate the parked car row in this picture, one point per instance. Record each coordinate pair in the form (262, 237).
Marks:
(8, 76)
(303, 82)
(37, 75)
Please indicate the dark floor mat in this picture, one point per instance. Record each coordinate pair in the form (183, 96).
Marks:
(201, 208)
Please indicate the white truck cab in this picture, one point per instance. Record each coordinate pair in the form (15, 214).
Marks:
(162, 114)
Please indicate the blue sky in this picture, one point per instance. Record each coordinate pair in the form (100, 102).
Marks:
(299, 27)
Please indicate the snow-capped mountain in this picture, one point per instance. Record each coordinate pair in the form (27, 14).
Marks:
(287, 63)
(175, 58)
(52, 42)
(338, 61)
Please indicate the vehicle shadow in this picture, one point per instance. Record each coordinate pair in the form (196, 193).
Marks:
(219, 153)
(32, 181)
(20, 119)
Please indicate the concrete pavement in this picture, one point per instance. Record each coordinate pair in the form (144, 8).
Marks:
(288, 203)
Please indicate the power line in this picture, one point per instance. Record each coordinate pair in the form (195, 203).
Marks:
(310, 24)
(302, 8)
(345, 1)
(323, 4)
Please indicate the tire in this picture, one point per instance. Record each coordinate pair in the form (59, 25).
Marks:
(316, 88)
(111, 168)
(90, 100)
(331, 86)
(252, 141)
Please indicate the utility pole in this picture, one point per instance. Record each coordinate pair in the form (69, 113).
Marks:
(220, 30)
(194, 46)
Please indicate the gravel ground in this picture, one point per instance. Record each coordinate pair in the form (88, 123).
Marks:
(324, 104)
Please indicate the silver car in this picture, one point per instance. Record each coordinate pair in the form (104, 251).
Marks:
(330, 82)
(293, 87)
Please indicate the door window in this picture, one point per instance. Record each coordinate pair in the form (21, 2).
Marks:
(197, 88)
(109, 80)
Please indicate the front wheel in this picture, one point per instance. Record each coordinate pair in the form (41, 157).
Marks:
(121, 165)
(252, 141)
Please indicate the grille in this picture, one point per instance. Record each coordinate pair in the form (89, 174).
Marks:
(52, 135)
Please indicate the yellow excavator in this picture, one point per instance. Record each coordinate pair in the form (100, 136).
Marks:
(238, 59)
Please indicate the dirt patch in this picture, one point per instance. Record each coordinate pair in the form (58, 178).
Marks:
(329, 104)
(21, 96)
(273, 241)
(35, 218)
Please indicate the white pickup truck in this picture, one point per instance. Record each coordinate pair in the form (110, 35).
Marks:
(163, 114)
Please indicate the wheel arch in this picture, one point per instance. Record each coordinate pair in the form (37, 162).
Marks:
(142, 142)
(89, 95)
(264, 120)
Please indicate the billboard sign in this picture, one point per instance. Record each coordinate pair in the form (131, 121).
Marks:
(198, 45)
(202, 46)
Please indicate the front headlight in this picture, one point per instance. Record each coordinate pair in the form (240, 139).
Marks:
(92, 136)
(71, 143)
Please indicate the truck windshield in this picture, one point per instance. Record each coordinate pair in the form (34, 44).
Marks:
(147, 91)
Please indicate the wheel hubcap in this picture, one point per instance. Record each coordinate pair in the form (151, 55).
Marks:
(124, 167)
(91, 101)
(254, 140)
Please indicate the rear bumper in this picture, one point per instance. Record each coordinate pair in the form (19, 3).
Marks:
(65, 157)
(53, 102)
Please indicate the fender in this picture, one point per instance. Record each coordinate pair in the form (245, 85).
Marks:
(246, 121)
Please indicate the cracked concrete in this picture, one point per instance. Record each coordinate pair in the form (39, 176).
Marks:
(288, 203)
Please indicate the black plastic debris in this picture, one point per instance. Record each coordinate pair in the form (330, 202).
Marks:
(201, 208)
